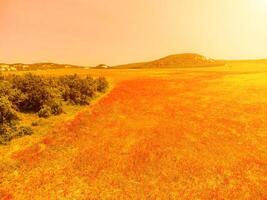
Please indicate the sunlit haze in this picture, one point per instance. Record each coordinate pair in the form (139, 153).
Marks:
(89, 32)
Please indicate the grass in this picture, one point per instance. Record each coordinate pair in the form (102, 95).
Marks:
(161, 134)
(45, 124)
(43, 128)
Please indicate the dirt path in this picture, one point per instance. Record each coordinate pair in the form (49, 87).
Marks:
(202, 136)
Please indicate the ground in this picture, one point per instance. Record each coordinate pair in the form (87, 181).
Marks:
(158, 134)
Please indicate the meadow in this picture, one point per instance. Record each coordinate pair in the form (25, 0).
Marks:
(189, 133)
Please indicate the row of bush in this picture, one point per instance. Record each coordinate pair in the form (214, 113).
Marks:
(42, 95)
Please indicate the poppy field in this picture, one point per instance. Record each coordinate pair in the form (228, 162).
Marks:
(157, 134)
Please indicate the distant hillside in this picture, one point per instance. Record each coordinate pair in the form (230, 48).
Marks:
(101, 66)
(246, 61)
(131, 66)
(35, 66)
(176, 61)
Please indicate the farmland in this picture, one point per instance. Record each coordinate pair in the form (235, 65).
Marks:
(190, 133)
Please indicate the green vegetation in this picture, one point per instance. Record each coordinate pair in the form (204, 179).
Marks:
(102, 84)
(77, 90)
(43, 96)
(8, 120)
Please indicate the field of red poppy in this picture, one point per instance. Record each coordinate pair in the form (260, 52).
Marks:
(158, 134)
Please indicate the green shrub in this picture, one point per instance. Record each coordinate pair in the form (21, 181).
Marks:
(77, 90)
(6, 133)
(17, 98)
(41, 95)
(36, 89)
(102, 84)
(45, 112)
(24, 130)
(7, 114)
(5, 88)
(8, 120)
(13, 94)
(56, 106)
(36, 122)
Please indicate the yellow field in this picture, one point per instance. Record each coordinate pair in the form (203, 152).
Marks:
(196, 133)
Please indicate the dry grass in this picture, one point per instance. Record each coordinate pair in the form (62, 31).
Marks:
(161, 134)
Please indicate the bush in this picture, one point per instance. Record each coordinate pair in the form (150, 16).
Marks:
(7, 114)
(56, 106)
(36, 89)
(17, 98)
(24, 130)
(41, 95)
(13, 94)
(5, 88)
(102, 84)
(36, 122)
(8, 119)
(6, 133)
(77, 90)
(45, 112)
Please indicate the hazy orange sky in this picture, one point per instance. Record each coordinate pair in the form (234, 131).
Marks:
(89, 32)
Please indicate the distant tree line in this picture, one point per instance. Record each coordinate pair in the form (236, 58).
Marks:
(43, 96)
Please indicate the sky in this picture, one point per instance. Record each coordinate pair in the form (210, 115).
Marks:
(90, 32)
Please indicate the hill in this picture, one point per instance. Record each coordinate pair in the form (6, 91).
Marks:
(176, 61)
(35, 66)
(101, 66)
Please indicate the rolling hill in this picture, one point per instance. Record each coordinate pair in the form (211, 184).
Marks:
(35, 66)
(176, 61)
